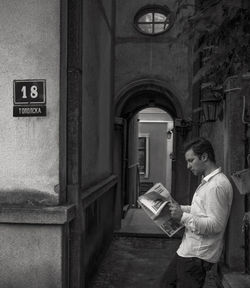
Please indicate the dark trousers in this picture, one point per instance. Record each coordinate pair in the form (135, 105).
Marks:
(185, 273)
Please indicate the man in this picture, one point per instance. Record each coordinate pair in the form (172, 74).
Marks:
(205, 220)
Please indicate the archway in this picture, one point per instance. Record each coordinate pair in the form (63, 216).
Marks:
(133, 98)
(147, 93)
(153, 150)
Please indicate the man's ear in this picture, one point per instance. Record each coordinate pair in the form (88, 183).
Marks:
(204, 157)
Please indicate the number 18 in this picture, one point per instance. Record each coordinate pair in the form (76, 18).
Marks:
(33, 92)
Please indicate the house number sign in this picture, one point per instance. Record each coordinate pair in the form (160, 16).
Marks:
(29, 98)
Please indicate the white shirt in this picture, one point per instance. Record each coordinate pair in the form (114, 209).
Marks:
(206, 219)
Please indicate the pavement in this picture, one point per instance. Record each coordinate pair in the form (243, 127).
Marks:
(138, 256)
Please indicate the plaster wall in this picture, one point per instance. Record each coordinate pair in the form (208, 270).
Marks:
(31, 256)
(230, 155)
(160, 147)
(234, 152)
(107, 7)
(30, 49)
(215, 132)
(118, 166)
(157, 151)
(97, 91)
(96, 137)
(162, 57)
(133, 176)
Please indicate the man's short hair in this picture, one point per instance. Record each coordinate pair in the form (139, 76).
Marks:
(201, 145)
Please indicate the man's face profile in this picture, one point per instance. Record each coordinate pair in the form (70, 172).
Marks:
(194, 163)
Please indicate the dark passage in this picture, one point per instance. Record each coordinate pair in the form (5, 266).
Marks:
(137, 261)
(134, 262)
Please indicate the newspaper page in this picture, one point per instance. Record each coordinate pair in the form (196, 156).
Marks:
(155, 202)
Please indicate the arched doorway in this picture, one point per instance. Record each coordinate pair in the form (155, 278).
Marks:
(134, 98)
(154, 149)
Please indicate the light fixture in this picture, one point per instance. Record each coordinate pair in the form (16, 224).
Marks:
(211, 104)
(169, 133)
(210, 107)
(182, 126)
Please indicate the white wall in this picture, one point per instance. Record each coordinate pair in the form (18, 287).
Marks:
(29, 49)
(155, 123)
(31, 255)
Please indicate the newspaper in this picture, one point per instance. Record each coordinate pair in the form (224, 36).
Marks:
(155, 202)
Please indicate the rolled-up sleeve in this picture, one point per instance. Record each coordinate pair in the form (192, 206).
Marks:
(215, 215)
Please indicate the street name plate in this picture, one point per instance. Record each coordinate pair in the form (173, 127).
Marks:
(29, 98)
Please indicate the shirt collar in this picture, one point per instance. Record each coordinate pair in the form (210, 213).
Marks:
(212, 174)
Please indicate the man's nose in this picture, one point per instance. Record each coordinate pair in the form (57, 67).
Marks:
(188, 165)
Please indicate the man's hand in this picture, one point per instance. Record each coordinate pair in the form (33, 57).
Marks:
(176, 211)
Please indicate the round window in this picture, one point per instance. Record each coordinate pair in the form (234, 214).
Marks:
(153, 20)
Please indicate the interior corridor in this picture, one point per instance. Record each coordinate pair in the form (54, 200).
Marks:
(138, 256)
